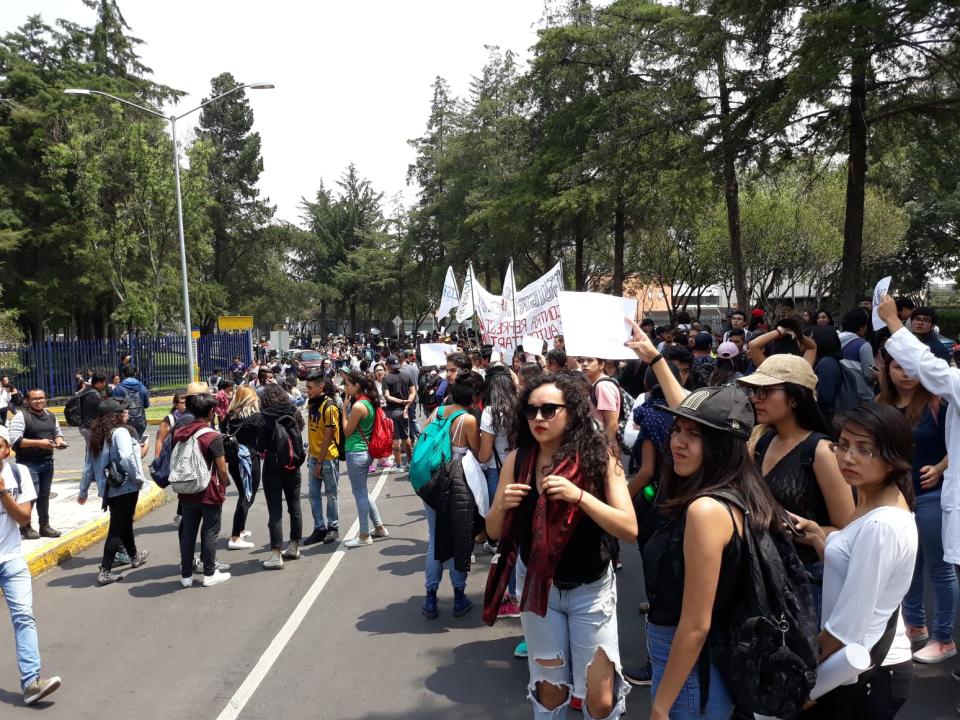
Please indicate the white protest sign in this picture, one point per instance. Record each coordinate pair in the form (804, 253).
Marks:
(878, 292)
(450, 296)
(435, 354)
(537, 314)
(594, 325)
(532, 344)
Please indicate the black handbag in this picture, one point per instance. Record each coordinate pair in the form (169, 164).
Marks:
(114, 472)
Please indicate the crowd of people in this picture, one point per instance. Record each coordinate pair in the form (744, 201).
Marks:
(831, 444)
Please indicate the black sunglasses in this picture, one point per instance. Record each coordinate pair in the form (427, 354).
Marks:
(547, 411)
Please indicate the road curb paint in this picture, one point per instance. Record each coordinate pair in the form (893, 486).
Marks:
(78, 540)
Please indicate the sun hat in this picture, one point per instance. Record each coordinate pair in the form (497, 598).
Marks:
(782, 368)
(197, 388)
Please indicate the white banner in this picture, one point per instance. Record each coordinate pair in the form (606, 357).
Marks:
(465, 308)
(537, 313)
(450, 296)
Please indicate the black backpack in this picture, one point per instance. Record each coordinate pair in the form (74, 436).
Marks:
(73, 411)
(287, 450)
(428, 391)
(138, 416)
(767, 654)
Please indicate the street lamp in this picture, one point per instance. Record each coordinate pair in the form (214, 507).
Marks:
(172, 119)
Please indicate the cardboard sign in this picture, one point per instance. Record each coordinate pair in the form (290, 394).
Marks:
(878, 292)
(436, 354)
(594, 325)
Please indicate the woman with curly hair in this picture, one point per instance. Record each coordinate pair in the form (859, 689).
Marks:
(560, 493)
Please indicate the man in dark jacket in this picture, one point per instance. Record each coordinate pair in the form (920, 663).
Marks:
(137, 397)
(90, 401)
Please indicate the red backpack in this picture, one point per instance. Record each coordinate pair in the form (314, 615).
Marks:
(380, 442)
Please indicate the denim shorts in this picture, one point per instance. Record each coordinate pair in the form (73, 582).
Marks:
(687, 704)
(577, 624)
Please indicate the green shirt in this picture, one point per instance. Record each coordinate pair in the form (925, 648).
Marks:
(357, 442)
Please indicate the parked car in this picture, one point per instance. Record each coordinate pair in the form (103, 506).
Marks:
(307, 360)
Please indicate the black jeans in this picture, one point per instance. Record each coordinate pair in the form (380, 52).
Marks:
(120, 534)
(889, 689)
(243, 506)
(41, 472)
(206, 520)
(277, 484)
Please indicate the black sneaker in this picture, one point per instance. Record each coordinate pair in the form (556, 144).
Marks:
(28, 533)
(315, 537)
(198, 565)
(639, 676)
(332, 536)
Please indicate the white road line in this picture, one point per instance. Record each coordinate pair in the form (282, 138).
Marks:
(249, 686)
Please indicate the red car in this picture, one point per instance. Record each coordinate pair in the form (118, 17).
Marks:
(307, 361)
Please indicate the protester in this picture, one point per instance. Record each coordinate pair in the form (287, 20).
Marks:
(90, 400)
(113, 462)
(785, 338)
(463, 435)
(927, 416)
(399, 395)
(827, 368)
(137, 397)
(855, 350)
(362, 394)
(564, 481)
(868, 565)
(923, 321)
(793, 452)
(242, 423)
(225, 390)
(410, 371)
(324, 426)
(824, 318)
(905, 308)
(34, 435)
(280, 439)
(201, 512)
(4, 399)
(729, 367)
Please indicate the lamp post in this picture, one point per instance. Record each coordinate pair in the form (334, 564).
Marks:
(172, 119)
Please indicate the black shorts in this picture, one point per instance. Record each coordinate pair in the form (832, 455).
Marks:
(401, 426)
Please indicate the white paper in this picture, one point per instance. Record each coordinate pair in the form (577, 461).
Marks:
(532, 344)
(878, 292)
(477, 481)
(594, 325)
(841, 668)
(436, 354)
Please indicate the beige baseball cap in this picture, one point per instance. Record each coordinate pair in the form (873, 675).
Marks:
(197, 388)
(783, 368)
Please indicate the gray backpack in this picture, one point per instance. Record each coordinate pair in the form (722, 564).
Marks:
(189, 472)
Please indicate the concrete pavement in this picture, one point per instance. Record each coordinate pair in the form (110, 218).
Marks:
(146, 648)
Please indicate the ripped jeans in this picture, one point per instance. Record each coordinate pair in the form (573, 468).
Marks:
(578, 623)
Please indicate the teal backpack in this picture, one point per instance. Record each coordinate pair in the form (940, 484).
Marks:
(432, 449)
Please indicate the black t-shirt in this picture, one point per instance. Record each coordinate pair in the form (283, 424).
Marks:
(398, 387)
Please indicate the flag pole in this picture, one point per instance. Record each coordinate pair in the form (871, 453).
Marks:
(473, 303)
(513, 298)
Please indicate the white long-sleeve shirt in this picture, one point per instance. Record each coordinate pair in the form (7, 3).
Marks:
(939, 378)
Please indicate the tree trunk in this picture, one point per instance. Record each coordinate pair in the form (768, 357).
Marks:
(851, 272)
(579, 275)
(731, 186)
(619, 243)
(353, 318)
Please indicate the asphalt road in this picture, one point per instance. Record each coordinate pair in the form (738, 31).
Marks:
(146, 648)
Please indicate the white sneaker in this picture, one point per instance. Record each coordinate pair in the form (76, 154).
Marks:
(239, 544)
(215, 579)
(186, 582)
(245, 534)
(357, 542)
(274, 562)
(379, 534)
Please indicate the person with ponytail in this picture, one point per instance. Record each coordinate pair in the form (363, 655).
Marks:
(869, 564)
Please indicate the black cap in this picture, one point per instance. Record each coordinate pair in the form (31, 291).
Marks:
(392, 362)
(703, 341)
(110, 406)
(723, 408)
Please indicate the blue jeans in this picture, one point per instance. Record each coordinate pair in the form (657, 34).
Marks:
(412, 422)
(687, 704)
(17, 589)
(434, 569)
(943, 577)
(42, 475)
(326, 484)
(357, 465)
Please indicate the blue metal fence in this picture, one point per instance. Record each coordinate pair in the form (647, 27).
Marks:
(161, 361)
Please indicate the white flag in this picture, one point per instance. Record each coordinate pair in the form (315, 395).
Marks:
(465, 308)
(450, 297)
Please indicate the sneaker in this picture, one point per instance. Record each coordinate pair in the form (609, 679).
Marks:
(576, 704)
(291, 551)
(373, 470)
(198, 565)
(39, 689)
(917, 634)
(28, 533)
(239, 544)
(388, 463)
(318, 535)
(509, 608)
(380, 534)
(121, 559)
(934, 652)
(186, 582)
(489, 549)
(215, 579)
(520, 651)
(639, 676)
(332, 536)
(105, 577)
(274, 562)
(139, 559)
(357, 542)
(429, 607)
(461, 603)
(245, 534)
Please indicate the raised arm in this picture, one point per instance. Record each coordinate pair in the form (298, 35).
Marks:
(673, 391)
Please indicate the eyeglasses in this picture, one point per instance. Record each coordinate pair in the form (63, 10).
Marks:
(859, 453)
(760, 393)
(547, 411)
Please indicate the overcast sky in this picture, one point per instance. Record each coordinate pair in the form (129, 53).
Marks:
(353, 77)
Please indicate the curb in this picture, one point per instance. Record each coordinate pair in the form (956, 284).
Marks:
(76, 541)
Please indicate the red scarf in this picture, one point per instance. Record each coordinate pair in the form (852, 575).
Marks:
(552, 524)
